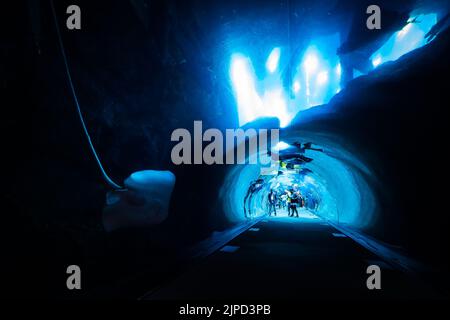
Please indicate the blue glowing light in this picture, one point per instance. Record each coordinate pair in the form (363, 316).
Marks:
(252, 104)
(281, 146)
(338, 70)
(376, 61)
(410, 37)
(316, 77)
(272, 61)
(320, 72)
(322, 78)
(296, 86)
(314, 82)
(310, 63)
(248, 100)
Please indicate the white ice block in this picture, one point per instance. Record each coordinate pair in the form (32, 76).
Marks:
(144, 202)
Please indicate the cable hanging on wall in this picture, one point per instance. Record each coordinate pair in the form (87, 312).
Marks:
(108, 180)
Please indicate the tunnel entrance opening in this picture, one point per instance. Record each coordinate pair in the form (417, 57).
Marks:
(287, 188)
(314, 178)
(287, 192)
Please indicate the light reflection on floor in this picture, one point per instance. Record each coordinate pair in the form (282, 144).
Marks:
(303, 214)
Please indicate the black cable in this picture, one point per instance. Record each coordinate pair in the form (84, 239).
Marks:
(80, 115)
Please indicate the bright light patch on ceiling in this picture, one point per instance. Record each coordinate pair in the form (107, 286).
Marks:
(272, 61)
(376, 61)
(338, 70)
(251, 103)
(314, 79)
(281, 146)
(311, 62)
(248, 100)
(410, 37)
(317, 74)
(322, 78)
(296, 87)
(275, 105)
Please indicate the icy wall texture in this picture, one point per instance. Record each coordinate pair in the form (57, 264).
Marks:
(394, 121)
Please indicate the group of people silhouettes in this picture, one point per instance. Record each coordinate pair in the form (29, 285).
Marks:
(290, 199)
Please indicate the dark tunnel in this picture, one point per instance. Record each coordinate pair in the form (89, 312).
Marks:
(362, 115)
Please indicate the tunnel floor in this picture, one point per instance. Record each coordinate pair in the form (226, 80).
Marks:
(290, 258)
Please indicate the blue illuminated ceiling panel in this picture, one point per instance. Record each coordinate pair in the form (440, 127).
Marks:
(410, 37)
(316, 76)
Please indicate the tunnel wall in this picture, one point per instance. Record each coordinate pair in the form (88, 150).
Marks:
(234, 189)
(395, 122)
(345, 195)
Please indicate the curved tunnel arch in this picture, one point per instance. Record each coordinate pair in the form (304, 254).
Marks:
(336, 186)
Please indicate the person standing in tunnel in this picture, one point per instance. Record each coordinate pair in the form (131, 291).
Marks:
(283, 201)
(272, 198)
(301, 200)
(288, 202)
(294, 203)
